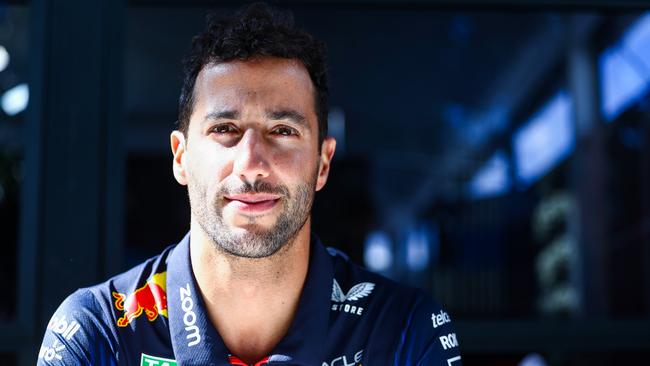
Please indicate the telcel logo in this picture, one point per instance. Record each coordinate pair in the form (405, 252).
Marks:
(189, 318)
(440, 319)
(343, 361)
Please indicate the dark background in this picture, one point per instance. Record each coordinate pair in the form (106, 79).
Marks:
(494, 153)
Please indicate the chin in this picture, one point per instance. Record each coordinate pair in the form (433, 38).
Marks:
(250, 222)
(250, 228)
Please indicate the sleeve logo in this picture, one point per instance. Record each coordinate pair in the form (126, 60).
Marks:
(60, 325)
(440, 319)
(449, 341)
(52, 352)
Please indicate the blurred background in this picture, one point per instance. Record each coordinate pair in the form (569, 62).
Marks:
(494, 153)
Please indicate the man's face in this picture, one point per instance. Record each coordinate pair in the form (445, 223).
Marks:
(250, 158)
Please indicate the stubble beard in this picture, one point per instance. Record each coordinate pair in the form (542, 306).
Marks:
(252, 242)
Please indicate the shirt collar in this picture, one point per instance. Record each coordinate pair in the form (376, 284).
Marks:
(188, 320)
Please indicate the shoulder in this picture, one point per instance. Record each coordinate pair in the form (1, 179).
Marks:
(77, 333)
(349, 275)
(142, 286)
(404, 319)
(86, 328)
(429, 335)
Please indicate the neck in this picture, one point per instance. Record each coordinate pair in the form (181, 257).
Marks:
(243, 293)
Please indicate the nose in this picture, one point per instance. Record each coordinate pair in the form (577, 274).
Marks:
(250, 162)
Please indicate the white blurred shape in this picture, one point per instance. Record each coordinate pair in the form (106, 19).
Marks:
(378, 254)
(4, 58)
(15, 100)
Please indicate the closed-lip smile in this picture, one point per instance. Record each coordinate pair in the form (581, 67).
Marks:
(255, 202)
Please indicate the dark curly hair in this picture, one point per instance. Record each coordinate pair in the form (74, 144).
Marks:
(256, 30)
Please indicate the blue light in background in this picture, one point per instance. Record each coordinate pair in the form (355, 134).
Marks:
(533, 359)
(336, 129)
(636, 40)
(378, 252)
(417, 249)
(621, 83)
(492, 179)
(545, 140)
(625, 69)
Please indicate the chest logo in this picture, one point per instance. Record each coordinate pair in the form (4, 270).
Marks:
(147, 360)
(150, 299)
(345, 361)
(189, 316)
(357, 292)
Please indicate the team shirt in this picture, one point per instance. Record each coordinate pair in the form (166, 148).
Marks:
(154, 315)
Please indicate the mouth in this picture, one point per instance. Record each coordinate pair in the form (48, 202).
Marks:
(252, 203)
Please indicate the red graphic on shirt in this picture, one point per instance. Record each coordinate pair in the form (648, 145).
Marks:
(234, 360)
(150, 299)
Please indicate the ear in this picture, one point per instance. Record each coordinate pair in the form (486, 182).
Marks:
(178, 143)
(326, 154)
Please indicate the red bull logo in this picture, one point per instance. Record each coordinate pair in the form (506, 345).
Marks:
(150, 299)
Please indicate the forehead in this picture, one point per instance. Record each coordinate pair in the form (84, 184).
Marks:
(270, 81)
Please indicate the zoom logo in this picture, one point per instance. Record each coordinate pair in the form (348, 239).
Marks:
(189, 316)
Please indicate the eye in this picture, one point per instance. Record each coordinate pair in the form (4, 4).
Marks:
(223, 129)
(285, 131)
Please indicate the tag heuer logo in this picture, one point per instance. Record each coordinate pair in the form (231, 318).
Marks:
(147, 360)
(357, 291)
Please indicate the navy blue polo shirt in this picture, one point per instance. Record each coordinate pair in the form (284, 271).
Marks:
(154, 315)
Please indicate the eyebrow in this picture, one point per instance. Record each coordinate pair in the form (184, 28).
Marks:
(277, 114)
(225, 114)
(289, 114)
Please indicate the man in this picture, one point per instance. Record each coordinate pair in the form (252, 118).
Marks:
(250, 284)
